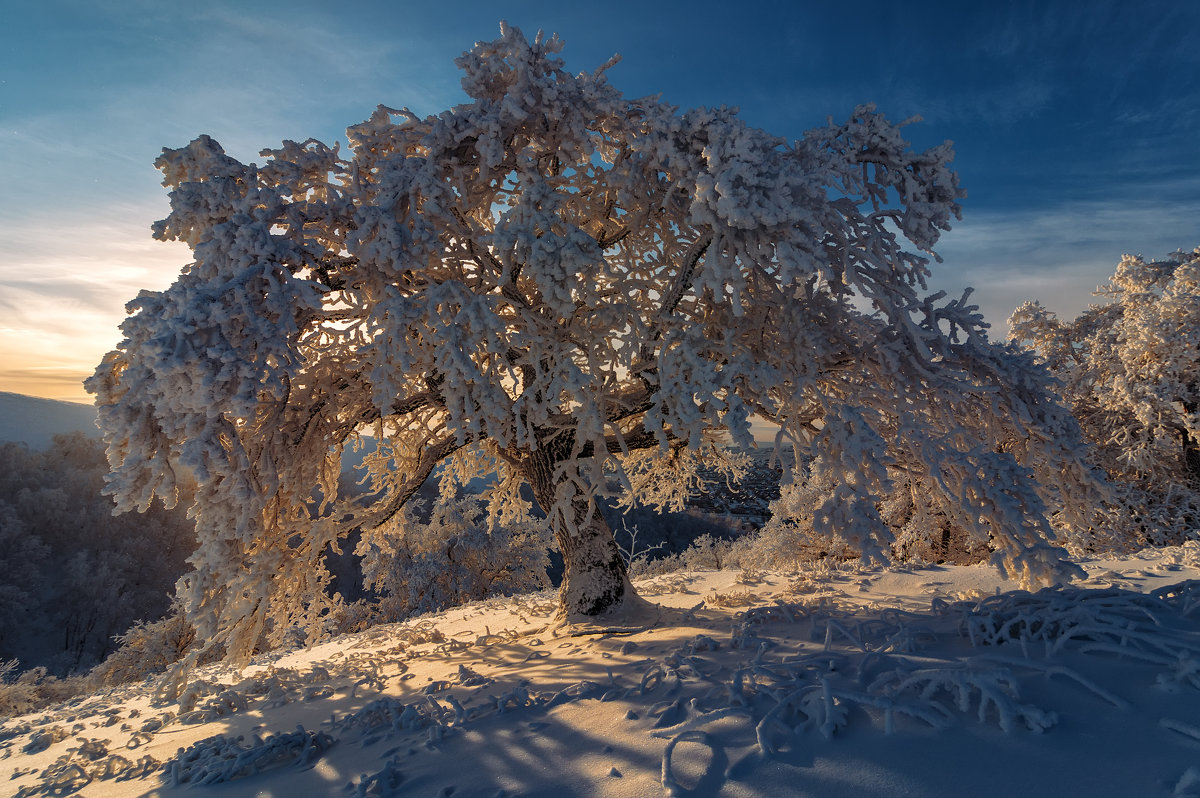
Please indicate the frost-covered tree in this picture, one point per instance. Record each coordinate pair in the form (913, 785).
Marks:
(1130, 370)
(565, 288)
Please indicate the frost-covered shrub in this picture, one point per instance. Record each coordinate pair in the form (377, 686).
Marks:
(668, 543)
(1156, 514)
(954, 510)
(706, 553)
(924, 531)
(789, 539)
(34, 689)
(146, 649)
(786, 547)
(458, 555)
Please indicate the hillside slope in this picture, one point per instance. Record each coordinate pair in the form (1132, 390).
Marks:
(35, 421)
(891, 683)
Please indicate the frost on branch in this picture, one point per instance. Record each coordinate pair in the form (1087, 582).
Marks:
(221, 759)
(997, 467)
(565, 288)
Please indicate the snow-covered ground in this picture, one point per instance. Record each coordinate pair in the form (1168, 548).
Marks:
(934, 681)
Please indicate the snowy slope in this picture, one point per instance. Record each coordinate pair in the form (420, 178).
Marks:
(890, 683)
(35, 421)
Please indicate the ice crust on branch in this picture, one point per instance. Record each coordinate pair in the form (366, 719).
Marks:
(558, 285)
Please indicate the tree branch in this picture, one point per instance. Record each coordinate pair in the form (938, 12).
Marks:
(430, 457)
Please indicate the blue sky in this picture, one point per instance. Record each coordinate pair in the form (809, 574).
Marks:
(1076, 124)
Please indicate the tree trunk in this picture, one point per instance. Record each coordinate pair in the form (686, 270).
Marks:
(595, 580)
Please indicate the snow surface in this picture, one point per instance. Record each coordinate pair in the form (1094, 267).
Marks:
(904, 682)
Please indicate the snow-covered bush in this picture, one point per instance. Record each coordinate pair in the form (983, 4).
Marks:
(457, 556)
(555, 283)
(924, 531)
(146, 649)
(787, 542)
(658, 536)
(1130, 371)
(33, 689)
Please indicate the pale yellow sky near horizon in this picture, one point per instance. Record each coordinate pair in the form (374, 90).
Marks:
(65, 292)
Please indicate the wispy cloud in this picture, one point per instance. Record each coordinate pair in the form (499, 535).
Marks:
(1059, 255)
(65, 280)
(999, 105)
(81, 189)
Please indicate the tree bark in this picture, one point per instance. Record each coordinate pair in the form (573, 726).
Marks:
(595, 579)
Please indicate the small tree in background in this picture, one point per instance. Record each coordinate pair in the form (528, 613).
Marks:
(1130, 370)
(569, 289)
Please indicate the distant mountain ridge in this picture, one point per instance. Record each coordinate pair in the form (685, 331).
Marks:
(35, 421)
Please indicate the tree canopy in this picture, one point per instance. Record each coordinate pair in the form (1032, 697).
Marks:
(571, 289)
